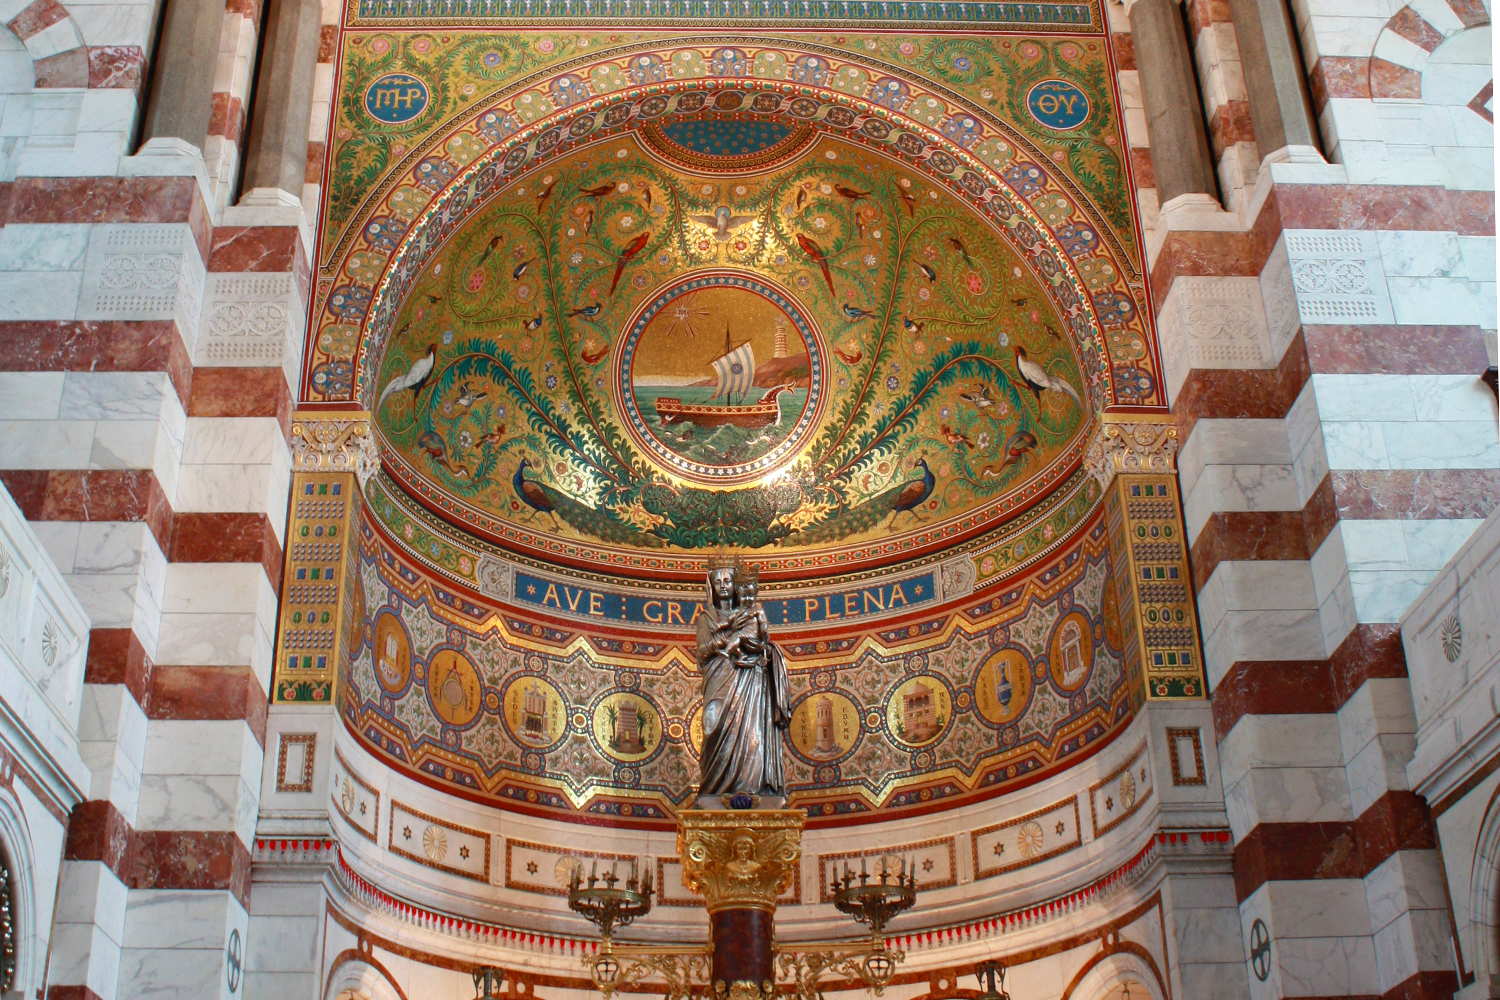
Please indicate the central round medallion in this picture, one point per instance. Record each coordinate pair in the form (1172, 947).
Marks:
(720, 377)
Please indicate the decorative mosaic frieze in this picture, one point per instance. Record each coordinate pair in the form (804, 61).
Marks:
(1153, 586)
(320, 606)
(1131, 446)
(601, 719)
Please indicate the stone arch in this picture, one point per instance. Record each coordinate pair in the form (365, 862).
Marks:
(17, 857)
(54, 41)
(1409, 39)
(361, 978)
(1109, 974)
(1482, 945)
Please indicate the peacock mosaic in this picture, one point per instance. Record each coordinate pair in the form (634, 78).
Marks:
(542, 714)
(608, 292)
(609, 348)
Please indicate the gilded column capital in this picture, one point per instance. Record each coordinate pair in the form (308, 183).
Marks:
(335, 442)
(1144, 445)
(739, 859)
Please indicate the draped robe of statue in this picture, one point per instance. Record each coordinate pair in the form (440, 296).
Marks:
(746, 705)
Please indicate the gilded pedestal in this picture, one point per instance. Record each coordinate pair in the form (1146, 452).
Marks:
(740, 861)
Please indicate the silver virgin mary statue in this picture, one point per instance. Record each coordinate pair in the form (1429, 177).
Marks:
(746, 705)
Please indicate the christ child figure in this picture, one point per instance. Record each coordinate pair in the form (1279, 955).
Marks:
(752, 629)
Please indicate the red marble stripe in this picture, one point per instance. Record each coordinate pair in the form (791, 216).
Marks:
(1247, 535)
(1339, 76)
(116, 656)
(71, 993)
(37, 17)
(1142, 168)
(1242, 393)
(92, 495)
(249, 8)
(242, 392)
(1202, 13)
(1415, 494)
(1205, 253)
(328, 39)
(1320, 206)
(1307, 687)
(1390, 80)
(116, 67)
(1386, 207)
(226, 117)
(109, 199)
(1470, 12)
(1395, 350)
(97, 831)
(97, 346)
(244, 537)
(270, 249)
(1230, 124)
(226, 694)
(1434, 984)
(1264, 534)
(171, 859)
(1397, 821)
(313, 172)
(1415, 29)
(1272, 687)
(69, 68)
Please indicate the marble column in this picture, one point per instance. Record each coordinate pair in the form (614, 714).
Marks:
(1180, 155)
(740, 861)
(182, 74)
(1281, 108)
(281, 106)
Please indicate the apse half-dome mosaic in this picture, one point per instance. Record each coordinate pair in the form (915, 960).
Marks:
(849, 306)
(622, 350)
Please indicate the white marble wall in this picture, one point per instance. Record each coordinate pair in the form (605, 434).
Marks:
(1452, 638)
(43, 644)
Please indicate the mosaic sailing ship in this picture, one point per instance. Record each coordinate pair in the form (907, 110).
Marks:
(735, 372)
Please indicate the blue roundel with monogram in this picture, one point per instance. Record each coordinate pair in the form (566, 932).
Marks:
(1058, 104)
(396, 98)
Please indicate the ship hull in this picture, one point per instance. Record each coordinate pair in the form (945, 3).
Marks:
(670, 410)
